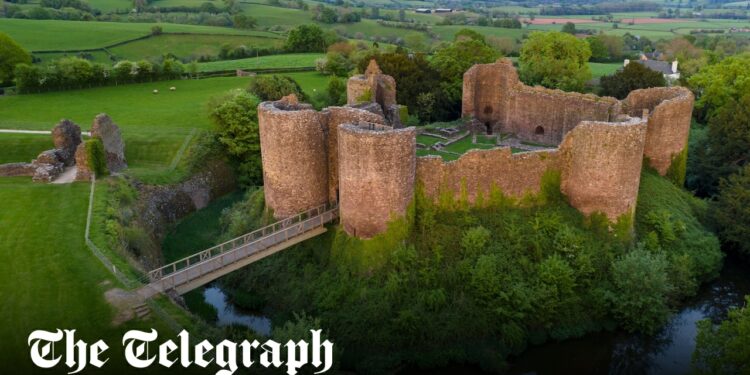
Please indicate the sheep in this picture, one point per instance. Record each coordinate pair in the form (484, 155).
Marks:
(156, 91)
(172, 88)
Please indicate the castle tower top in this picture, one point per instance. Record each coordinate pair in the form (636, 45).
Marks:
(290, 100)
(373, 68)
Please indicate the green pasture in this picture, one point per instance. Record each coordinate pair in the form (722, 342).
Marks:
(111, 5)
(276, 16)
(41, 35)
(189, 46)
(603, 69)
(447, 33)
(18, 148)
(295, 60)
(515, 9)
(154, 126)
(50, 279)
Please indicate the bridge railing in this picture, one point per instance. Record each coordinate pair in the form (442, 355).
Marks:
(246, 239)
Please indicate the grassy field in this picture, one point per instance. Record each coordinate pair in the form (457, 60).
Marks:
(22, 147)
(51, 279)
(189, 46)
(111, 5)
(295, 60)
(447, 33)
(603, 69)
(96, 56)
(40, 35)
(274, 16)
(154, 127)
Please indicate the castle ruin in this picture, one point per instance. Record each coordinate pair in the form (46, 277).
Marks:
(362, 159)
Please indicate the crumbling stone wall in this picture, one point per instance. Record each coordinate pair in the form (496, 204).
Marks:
(493, 94)
(670, 111)
(17, 169)
(105, 129)
(601, 166)
(377, 166)
(293, 149)
(479, 171)
(83, 171)
(373, 86)
(336, 116)
(66, 137)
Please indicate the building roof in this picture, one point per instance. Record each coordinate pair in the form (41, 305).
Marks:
(658, 66)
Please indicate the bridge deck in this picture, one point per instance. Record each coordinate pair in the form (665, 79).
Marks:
(201, 268)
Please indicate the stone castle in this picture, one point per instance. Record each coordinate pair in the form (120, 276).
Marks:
(360, 156)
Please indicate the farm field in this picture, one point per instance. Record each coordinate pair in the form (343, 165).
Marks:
(56, 281)
(111, 5)
(295, 60)
(41, 35)
(268, 16)
(603, 69)
(448, 32)
(189, 46)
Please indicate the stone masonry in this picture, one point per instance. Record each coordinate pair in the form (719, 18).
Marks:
(109, 132)
(357, 157)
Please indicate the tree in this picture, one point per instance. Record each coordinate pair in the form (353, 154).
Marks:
(716, 84)
(235, 117)
(569, 28)
(306, 38)
(275, 87)
(634, 76)
(599, 51)
(243, 21)
(453, 60)
(555, 60)
(337, 64)
(639, 290)
(11, 54)
(468, 34)
(726, 348)
(732, 210)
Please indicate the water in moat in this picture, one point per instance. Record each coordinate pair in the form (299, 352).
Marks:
(667, 352)
(229, 314)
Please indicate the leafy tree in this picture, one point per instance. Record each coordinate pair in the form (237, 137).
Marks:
(724, 349)
(156, 30)
(275, 87)
(605, 47)
(306, 38)
(468, 34)
(337, 64)
(634, 76)
(414, 76)
(336, 91)
(724, 149)
(236, 120)
(555, 60)
(243, 21)
(569, 28)
(716, 84)
(732, 210)
(11, 54)
(599, 51)
(639, 290)
(452, 61)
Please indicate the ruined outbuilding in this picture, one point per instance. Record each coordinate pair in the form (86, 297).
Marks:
(362, 160)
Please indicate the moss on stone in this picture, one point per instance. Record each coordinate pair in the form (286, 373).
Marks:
(678, 168)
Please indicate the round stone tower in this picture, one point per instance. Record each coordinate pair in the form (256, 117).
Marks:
(293, 149)
(377, 166)
(601, 166)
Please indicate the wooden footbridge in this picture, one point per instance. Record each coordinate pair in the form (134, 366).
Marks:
(198, 269)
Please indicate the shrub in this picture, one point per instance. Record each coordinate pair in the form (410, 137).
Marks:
(639, 291)
(97, 158)
(724, 349)
(732, 211)
(275, 87)
(634, 76)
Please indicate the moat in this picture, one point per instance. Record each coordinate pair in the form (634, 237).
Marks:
(667, 352)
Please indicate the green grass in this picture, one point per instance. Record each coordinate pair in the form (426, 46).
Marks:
(189, 46)
(296, 60)
(50, 278)
(40, 35)
(134, 107)
(428, 140)
(154, 127)
(268, 16)
(603, 69)
(447, 33)
(465, 144)
(23, 147)
(111, 5)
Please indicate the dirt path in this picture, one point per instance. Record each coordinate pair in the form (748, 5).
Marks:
(66, 177)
